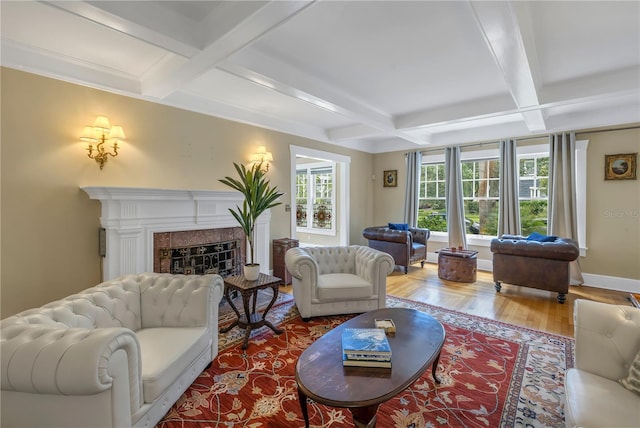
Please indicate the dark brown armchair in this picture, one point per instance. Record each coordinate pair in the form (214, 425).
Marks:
(406, 247)
(542, 265)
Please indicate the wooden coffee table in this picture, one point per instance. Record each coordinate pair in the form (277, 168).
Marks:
(321, 376)
(250, 319)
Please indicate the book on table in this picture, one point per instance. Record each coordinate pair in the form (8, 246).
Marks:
(366, 347)
(347, 362)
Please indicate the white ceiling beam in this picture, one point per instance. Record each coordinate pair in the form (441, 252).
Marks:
(505, 38)
(137, 20)
(253, 27)
(496, 105)
(68, 69)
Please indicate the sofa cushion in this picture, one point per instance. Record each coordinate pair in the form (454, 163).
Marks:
(343, 286)
(632, 381)
(595, 401)
(399, 226)
(166, 353)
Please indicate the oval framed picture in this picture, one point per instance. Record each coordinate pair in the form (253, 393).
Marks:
(620, 167)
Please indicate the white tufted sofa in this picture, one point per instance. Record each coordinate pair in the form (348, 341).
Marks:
(607, 340)
(115, 355)
(338, 280)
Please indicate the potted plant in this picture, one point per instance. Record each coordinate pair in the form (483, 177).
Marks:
(259, 196)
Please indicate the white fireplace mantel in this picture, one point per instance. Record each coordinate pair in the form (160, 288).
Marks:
(131, 216)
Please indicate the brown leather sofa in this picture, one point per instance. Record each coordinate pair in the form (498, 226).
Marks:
(542, 265)
(406, 247)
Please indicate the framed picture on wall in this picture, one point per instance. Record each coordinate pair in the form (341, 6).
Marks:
(620, 167)
(391, 178)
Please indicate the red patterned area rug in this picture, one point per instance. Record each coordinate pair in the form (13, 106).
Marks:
(493, 375)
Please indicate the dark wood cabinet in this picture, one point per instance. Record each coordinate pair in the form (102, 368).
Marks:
(280, 247)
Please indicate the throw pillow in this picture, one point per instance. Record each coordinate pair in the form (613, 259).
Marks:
(535, 236)
(399, 226)
(632, 381)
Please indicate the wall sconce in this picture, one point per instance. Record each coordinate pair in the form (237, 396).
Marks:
(262, 156)
(99, 134)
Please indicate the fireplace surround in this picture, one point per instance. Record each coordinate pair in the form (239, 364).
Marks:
(132, 216)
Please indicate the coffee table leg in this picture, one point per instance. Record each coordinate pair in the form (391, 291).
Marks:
(434, 366)
(303, 406)
(365, 417)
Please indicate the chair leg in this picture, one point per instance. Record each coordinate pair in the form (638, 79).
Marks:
(422, 264)
(562, 297)
(406, 269)
(498, 286)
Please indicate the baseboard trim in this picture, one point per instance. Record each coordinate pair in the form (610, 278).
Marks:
(611, 282)
(590, 279)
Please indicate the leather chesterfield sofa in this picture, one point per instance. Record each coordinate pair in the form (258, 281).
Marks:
(115, 355)
(535, 264)
(406, 247)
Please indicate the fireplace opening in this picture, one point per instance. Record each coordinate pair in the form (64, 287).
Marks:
(198, 252)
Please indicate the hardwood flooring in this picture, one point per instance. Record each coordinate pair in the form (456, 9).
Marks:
(527, 307)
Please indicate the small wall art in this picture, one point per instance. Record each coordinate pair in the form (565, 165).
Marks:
(620, 167)
(391, 178)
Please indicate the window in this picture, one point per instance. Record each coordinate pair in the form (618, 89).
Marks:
(533, 189)
(315, 198)
(480, 188)
(481, 191)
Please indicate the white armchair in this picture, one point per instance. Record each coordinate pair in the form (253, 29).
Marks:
(115, 355)
(607, 340)
(338, 280)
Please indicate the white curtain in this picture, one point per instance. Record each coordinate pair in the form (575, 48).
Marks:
(561, 213)
(414, 163)
(455, 204)
(509, 206)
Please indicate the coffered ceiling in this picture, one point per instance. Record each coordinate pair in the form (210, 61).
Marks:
(376, 76)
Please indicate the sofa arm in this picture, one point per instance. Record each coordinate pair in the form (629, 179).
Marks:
(560, 249)
(169, 300)
(382, 233)
(607, 337)
(420, 235)
(374, 266)
(75, 361)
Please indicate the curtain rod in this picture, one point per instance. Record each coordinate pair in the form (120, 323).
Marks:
(533, 137)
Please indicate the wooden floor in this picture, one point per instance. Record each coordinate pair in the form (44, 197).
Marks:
(536, 309)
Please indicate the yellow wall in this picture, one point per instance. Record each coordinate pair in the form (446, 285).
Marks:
(50, 227)
(613, 207)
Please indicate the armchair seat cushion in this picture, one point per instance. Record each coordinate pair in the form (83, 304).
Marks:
(167, 352)
(595, 401)
(343, 286)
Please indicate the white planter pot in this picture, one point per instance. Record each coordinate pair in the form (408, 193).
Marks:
(251, 272)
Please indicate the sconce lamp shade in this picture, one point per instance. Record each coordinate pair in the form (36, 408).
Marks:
(89, 134)
(102, 123)
(117, 133)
